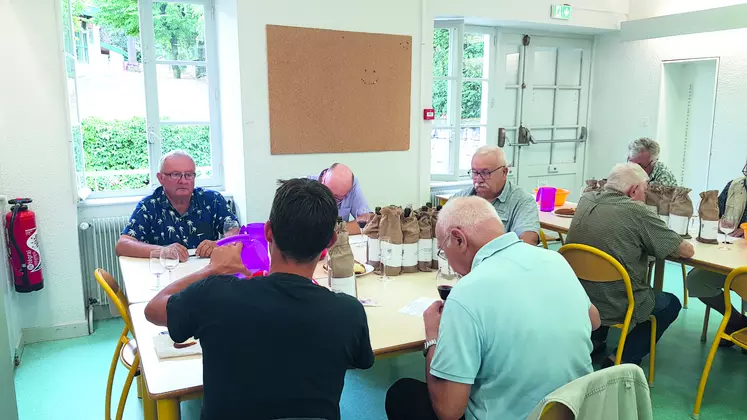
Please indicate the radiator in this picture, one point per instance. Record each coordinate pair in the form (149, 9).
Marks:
(97, 240)
(446, 189)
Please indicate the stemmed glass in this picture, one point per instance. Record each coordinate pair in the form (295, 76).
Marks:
(169, 259)
(385, 246)
(727, 224)
(446, 277)
(156, 267)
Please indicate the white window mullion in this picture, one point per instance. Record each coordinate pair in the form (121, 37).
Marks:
(211, 46)
(152, 117)
(457, 49)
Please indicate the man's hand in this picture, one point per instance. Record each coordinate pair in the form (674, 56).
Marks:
(205, 249)
(432, 319)
(227, 260)
(181, 250)
(738, 233)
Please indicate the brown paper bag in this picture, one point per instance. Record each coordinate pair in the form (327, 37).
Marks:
(591, 185)
(709, 217)
(667, 195)
(425, 243)
(681, 211)
(410, 238)
(391, 249)
(371, 230)
(602, 182)
(434, 240)
(653, 197)
(341, 261)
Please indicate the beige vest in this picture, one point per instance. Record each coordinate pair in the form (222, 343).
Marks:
(736, 200)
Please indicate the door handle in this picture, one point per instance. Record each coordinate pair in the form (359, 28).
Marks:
(501, 137)
(525, 137)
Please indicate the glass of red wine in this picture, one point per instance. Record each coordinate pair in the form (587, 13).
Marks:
(446, 277)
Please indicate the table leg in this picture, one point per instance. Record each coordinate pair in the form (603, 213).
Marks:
(659, 275)
(149, 406)
(169, 409)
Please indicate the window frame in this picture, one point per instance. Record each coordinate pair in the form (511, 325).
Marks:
(456, 80)
(152, 112)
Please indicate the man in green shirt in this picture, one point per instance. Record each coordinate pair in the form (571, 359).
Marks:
(645, 153)
(617, 221)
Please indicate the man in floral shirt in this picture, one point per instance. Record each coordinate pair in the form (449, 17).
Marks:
(177, 214)
(645, 152)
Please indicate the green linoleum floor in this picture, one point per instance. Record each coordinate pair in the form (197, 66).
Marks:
(67, 379)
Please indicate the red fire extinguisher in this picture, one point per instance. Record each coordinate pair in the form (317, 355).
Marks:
(23, 246)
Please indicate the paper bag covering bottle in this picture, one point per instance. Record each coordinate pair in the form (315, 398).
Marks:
(680, 211)
(425, 243)
(391, 227)
(591, 185)
(371, 231)
(653, 197)
(662, 208)
(340, 263)
(410, 239)
(709, 216)
(434, 240)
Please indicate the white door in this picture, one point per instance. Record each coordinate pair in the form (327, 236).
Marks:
(546, 91)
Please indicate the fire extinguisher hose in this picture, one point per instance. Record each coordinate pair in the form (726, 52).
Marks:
(12, 238)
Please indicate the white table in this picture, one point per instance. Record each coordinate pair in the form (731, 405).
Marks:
(138, 280)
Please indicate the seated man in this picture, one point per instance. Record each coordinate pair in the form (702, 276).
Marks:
(616, 221)
(707, 285)
(483, 360)
(645, 153)
(516, 208)
(276, 346)
(348, 195)
(176, 214)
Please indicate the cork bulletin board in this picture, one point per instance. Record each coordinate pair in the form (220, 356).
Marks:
(338, 92)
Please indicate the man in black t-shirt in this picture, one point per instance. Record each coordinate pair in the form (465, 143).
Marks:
(276, 346)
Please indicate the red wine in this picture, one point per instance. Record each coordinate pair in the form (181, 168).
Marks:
(443, 291)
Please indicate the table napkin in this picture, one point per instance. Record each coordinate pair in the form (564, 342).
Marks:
(165, 347)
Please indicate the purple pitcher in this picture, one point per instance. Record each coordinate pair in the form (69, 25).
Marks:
(255, 252)
(547, 198)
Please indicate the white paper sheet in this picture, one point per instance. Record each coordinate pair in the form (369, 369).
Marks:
(417, 306)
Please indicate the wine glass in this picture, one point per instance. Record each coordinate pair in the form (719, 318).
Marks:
(385, 247)
(230, 227)
(169, 259)
(446, 277)
(156, 267)
(727, 224)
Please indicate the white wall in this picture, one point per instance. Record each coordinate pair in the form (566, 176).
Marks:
(625, 97)
(36, 160)
(642, 9)
(386, 177)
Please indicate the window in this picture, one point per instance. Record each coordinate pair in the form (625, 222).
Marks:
(141, 91)
(461, 75)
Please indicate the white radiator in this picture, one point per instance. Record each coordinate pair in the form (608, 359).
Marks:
(97, 240)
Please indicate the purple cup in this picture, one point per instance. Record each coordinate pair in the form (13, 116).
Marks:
(547, 198)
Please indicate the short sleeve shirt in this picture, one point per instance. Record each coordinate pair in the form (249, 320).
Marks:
(723, 197)
(629, 232)
(662, 175)
(155, 221)
(516, 208)
(354, 204)
(488, 332)
(273, 347)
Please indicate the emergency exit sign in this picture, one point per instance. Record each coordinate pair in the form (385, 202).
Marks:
(561, 11)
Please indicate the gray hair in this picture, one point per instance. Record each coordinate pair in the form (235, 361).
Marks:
(644, 144)
(466, 213)
(624, 176)
(491, 149)
(173, 153)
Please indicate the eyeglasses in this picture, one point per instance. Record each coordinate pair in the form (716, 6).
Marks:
(178, 175)
(645, 167)
(484, 174)
(441, 253)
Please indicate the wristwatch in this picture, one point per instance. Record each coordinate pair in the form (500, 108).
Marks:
(428, 345)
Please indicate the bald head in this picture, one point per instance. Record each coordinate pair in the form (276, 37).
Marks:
(339, 179)
(464, 226)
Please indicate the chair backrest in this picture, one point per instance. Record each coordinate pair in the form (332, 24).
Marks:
(736, 281)
(592, 264)
(114, 293)
(556, 411)
(543, 239)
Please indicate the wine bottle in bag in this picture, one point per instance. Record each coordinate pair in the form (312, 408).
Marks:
(371, 231)
(425, 243)
(410, 238)
(680, 211)
(709, 216)
(434, 241)
(667, 195)
(340, 263)
(391, 228)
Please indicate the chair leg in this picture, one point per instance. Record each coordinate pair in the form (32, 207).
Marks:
(126, 388)
(652, 353)
(704, 376)
(684, 286)
(562, 241)
(650, 273)
(744, 306)
(706, 317)
(139, 380)
(110, 379)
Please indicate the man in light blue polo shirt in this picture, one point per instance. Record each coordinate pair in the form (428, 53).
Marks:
(483, 360)
(516, 207)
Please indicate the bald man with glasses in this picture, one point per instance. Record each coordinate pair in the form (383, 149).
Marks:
(516, 208)
(177, 214)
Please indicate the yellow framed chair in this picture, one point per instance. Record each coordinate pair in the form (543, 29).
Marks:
(592, 264)
(736, 281)
(126, 349)
(556, 411)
